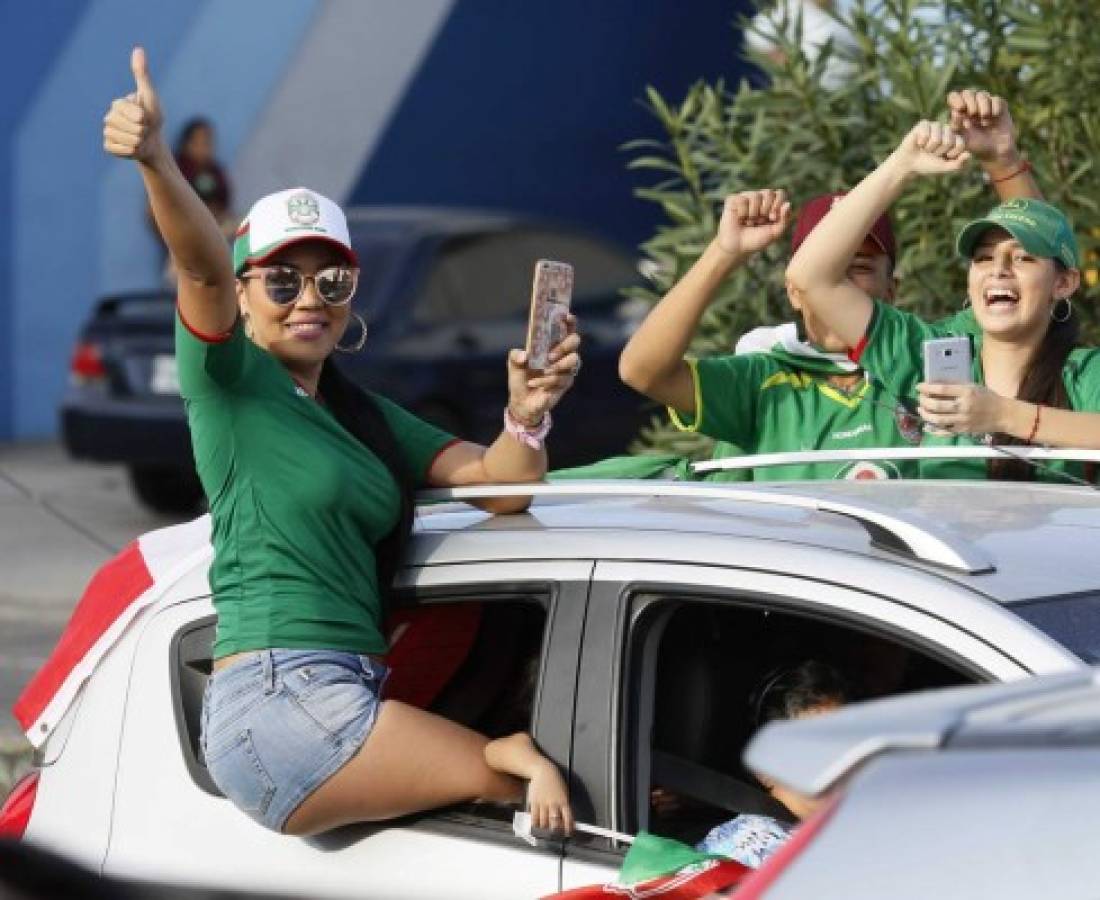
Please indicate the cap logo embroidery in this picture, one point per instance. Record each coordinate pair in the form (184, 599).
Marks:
(303, 209)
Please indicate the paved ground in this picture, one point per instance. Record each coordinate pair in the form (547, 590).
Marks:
(58, 521)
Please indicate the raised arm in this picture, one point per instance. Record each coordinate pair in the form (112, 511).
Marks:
(517, 455)
(986, 127)
(132, 130)
(653, 360)
(817, 273)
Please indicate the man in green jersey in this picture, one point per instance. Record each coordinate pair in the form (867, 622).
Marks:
(803, 393)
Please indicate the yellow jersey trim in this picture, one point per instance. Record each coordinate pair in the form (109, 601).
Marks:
(849, 400)
(693, 426)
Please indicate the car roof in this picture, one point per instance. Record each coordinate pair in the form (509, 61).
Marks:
(812, 754)
(1030, 540)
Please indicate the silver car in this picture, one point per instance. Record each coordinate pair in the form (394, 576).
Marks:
(625, 625)
(970, 792)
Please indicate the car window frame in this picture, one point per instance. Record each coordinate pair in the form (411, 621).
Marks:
(564, 603)
(602, 729)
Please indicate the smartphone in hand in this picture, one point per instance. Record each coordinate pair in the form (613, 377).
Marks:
(947, 360)
(551, 294)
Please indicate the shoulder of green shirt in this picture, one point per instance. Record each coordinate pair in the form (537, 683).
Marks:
(751, 367)
(1082, 377)
(420, 441)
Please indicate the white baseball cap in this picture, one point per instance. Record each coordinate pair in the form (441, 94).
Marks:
(289, 217)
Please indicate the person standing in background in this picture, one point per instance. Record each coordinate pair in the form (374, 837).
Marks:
(195, 155)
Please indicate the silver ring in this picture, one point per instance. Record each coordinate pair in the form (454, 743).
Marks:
(577, 367)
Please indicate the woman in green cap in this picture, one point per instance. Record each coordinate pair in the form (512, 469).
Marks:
(1031, 385)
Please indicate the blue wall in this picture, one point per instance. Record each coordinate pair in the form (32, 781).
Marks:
(518, 105)
(526, 105)
(29, 58)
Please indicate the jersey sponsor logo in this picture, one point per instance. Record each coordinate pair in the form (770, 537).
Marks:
(303, 209)
(852, 432)
(869, 471)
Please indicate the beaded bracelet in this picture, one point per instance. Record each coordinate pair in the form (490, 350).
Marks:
(531, 436)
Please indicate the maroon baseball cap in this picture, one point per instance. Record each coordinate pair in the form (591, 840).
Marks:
(813, 211)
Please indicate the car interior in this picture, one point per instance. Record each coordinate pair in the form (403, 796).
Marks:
(470, 661)
(698, 666)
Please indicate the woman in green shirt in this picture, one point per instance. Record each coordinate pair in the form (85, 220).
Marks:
(309, 480)
(1030, 384)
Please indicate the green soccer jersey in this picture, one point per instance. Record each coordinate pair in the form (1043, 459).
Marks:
(893, 354)
(764, 403)
(298, 504)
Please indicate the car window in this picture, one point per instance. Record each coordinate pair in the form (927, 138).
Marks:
(489, 275)
(693, 668)
(1074, 622)
(379, 256)
(475, 661)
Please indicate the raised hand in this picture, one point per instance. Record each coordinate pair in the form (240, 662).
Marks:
(532, 394)
(985, 125)
(931, 148)
(132, 126)
(752, 220)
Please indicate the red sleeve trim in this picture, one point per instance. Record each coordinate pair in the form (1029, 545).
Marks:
(206, 338)
(438, 453)
(857, 351)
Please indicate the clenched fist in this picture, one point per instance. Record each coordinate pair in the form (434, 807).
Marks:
(131, 128)
(752, 220)
(932, 149)
(984, 123)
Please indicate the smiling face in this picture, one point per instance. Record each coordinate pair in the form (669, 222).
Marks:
(1012, 291)
(301, 334)
(872, 272)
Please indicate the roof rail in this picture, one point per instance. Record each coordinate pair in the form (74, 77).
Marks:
(911, 535)
(871, 454)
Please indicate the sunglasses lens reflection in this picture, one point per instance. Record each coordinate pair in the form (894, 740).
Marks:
(283, 285)
(336, 285)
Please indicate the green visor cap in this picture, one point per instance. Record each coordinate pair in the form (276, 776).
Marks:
(1042, 230)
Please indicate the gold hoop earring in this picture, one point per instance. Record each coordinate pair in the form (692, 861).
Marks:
(358, 345)
(1068, 310)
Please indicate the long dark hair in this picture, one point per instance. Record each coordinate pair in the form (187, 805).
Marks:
(1043, 384)
(357, 411)
(198, 123)
(790, 689)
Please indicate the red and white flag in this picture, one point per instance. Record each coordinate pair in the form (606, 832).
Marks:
(138, 578)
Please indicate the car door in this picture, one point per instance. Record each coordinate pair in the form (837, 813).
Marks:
(170, 823)
(613, 758)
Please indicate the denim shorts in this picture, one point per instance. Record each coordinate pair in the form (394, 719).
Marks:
(278, 723)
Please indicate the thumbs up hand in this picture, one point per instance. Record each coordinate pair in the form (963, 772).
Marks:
(131, 128)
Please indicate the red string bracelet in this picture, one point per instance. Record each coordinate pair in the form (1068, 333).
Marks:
(1035, 424)
(1025, 167)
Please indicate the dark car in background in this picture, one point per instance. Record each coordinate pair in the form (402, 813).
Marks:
(445, 292)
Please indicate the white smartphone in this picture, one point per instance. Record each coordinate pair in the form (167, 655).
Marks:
(551, 294)
(947, 361)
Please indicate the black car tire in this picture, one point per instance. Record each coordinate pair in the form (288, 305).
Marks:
(167, 489)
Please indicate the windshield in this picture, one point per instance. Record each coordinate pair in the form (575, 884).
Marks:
(1072, 621)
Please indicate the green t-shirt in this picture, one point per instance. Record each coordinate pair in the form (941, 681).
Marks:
(298, 504)
(765, 404)
(893, 355)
